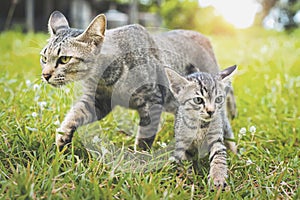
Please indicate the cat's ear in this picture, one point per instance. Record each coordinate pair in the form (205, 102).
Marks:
(95, 31)
(57, 22)
(177, 82)
(227, 73)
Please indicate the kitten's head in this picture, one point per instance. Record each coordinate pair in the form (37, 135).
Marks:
(200, 94)
(70, 53)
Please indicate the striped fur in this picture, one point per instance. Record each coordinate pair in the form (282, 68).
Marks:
(122, 66)
(201, 119)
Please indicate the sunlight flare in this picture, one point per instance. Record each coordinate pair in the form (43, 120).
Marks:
(239, 13)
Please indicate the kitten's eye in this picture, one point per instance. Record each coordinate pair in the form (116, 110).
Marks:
(43, 59)
(64, 59)
(198, 100)
(219, 99)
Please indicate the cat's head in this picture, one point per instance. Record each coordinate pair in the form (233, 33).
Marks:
(200, 94)
(70, 53)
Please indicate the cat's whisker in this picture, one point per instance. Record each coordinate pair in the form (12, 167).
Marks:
(38, 44)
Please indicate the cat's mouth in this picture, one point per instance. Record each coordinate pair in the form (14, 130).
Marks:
(55, 81)
(56, 84)
(206, 118)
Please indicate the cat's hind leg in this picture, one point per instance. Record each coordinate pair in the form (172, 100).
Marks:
(148, 126)
(228, 135)
(231, 109)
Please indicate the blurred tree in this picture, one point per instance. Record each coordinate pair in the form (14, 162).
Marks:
(210, 23)
(183, 14)
(267, 5)
(186, 14)
(280, 11)
(179, 14)
(30, 15)
(290, 8)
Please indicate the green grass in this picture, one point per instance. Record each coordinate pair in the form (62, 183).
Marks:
(267, 89)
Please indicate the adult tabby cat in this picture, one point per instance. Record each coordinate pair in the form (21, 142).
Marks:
(122, 66)
(200, 120)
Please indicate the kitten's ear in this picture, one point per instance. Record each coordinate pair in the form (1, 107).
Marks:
(95, 31)
(176, 81)
(57, 22)
(227, 73)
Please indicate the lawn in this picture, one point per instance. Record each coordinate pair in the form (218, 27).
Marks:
(100, 165)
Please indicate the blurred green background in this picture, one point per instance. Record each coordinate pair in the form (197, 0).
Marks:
(266, 86)
(206, 16)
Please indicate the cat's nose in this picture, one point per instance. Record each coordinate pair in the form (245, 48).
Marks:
(47, 76)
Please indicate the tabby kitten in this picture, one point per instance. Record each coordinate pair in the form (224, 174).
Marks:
(122, 66)
(200, 119)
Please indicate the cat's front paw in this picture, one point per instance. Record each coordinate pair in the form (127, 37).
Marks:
(144, 144)
(61, 140)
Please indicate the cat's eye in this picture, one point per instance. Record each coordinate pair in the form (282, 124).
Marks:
(43, 59)
(64, 59)
(219, 99)
(198, 100)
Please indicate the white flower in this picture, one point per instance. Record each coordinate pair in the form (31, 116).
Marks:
(32, 129)
(264, 49)
(66, 90)
(34, 114)
(104, 150)
(57, 123)
(36, 87)
(252, 129)
(162, 144)
(36, 98)
(172, 159)
(28, 83)
(96, 139)
(242, 150)
(42, 104)
(249, 162)
(242, 132)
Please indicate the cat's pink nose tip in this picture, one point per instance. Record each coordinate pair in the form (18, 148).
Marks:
(46, 76)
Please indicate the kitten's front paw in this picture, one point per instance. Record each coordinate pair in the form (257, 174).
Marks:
(218, 182)
(172, 159)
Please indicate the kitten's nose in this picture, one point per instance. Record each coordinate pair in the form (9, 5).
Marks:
(46, 76)
(210, 112)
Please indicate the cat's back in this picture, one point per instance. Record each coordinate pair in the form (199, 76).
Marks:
(191, 47)
(185, 37)
(129, 37)
(127, 30)
(177, 48)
